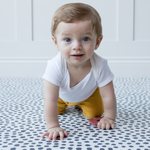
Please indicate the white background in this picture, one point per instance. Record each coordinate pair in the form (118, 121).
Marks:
(26, 45)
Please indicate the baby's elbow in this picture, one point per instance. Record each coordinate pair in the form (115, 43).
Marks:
(46, 98)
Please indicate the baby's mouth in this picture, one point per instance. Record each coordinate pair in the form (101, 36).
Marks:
(77, 56)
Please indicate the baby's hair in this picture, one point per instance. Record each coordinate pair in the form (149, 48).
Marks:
(72, 12)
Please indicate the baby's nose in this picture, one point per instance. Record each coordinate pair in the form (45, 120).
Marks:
(77, 45)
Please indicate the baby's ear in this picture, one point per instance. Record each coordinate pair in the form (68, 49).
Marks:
(98, 41)
(55, 42)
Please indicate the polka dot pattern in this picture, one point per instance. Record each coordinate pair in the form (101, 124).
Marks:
(22, 118)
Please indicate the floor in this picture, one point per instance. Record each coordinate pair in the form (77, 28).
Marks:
(22, 120)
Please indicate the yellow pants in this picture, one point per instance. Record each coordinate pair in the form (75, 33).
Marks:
(92, 106)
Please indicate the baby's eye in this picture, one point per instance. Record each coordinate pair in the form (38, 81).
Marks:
(67, 39)
(85, 39)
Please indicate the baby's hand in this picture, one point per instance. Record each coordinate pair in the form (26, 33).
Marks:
(54, 132)
(106, 123)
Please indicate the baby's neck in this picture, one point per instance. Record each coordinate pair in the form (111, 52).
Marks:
(83, 66)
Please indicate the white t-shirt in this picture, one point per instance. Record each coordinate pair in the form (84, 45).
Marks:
(57, 73)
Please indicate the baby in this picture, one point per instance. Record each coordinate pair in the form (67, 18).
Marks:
(77, 75)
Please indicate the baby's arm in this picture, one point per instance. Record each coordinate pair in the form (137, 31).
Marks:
(51, 94)
(109, 102)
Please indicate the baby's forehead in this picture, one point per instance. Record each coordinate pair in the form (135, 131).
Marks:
(77, 26)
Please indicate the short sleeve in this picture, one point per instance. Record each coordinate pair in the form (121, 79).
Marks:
(105, 75)
(52, 73)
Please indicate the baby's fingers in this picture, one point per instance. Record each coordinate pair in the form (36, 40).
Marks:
(55, 136)
(50, 136)
(103, 125)
(113, 126)
(66, 134)
(99, 124)
(108, 126)
(61, 135)
(45, 134)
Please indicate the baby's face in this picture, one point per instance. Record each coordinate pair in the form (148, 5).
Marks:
(76, 41)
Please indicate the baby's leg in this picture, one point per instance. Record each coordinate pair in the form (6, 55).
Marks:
(93, 106)
(61, 106)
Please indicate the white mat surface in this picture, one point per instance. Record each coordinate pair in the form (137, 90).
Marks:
(22, 120)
